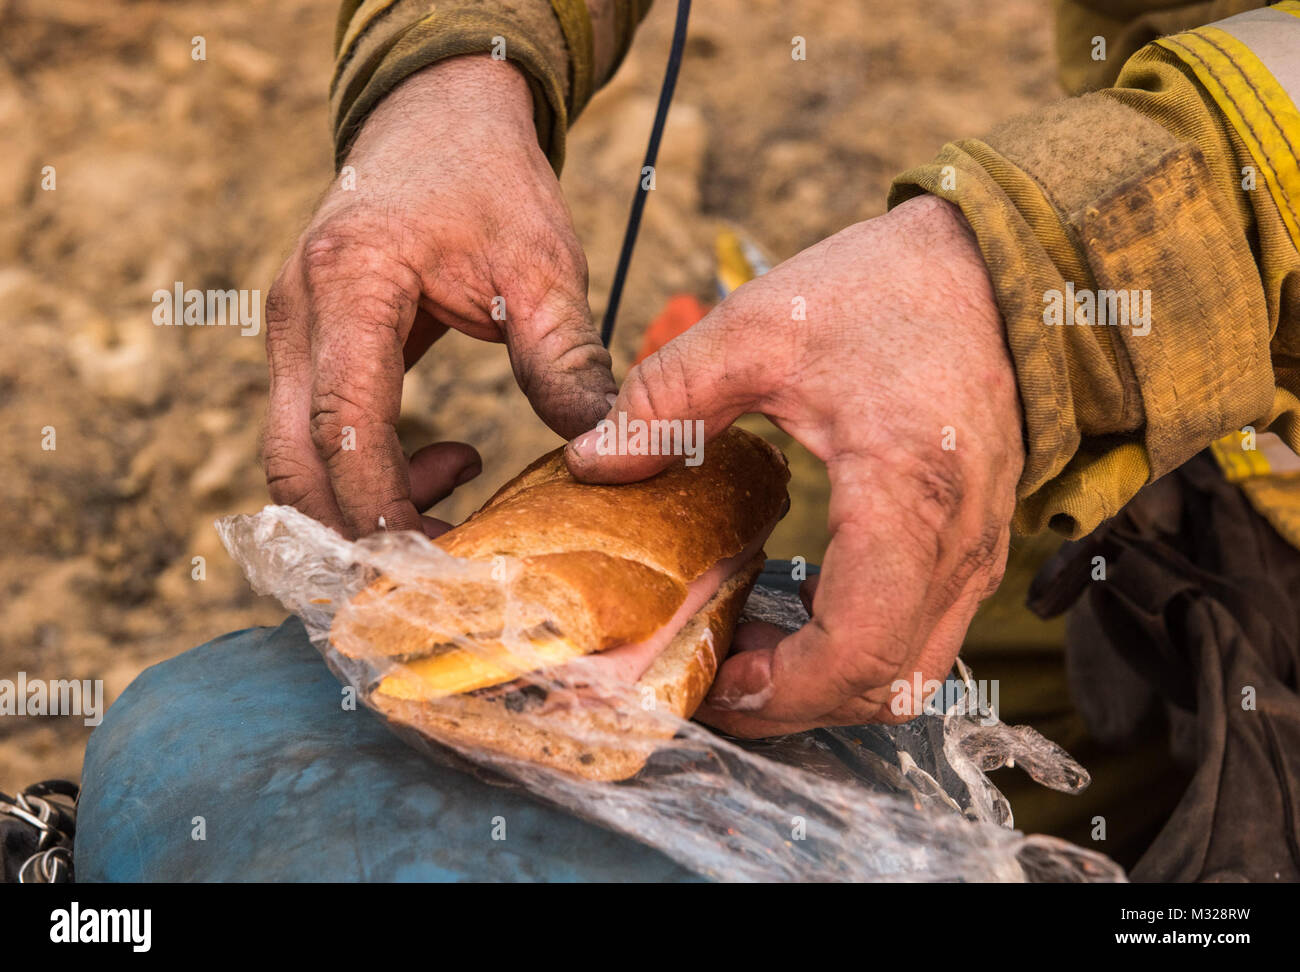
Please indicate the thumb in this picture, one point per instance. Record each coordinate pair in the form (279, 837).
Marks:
(701, 377)
(560, 364)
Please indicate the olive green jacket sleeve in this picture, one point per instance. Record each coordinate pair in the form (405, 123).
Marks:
(1142, 243)
(566, 48)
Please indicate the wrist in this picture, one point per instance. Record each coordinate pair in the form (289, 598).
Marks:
(470, 93)
(977, 325)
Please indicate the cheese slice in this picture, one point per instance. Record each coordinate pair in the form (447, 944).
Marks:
(459, 670)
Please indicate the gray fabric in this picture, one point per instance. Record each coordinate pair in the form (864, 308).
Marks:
(1274, 38)
(1198, 608)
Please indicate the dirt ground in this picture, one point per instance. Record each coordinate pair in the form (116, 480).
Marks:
(167, 169)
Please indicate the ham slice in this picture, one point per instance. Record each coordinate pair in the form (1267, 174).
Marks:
(627, 663)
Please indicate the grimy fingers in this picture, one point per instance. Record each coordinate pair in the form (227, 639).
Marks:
(709, 375)
(559, 362)
(437, 469)
(872, 613)
(907, 565)
(295, 474)
(362, 307)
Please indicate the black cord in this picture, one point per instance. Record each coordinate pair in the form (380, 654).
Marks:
(651, 153)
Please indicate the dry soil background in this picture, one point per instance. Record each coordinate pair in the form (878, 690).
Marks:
(170, 169)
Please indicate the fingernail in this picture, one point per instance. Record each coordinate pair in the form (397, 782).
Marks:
(612, 397)
(584, 446)
(750, 690)
(468, 473)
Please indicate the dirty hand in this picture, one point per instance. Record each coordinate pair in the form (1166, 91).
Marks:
(446, 215)
(899, 379)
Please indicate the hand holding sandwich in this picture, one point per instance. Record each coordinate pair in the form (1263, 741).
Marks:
(900, 381)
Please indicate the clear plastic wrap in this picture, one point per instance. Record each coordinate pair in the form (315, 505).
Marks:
(906, 803)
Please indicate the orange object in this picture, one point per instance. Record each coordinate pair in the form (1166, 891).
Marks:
(677, 317)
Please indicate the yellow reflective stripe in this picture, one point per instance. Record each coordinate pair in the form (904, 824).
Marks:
(1269, 456)
(1237, 464)
(1256, 105)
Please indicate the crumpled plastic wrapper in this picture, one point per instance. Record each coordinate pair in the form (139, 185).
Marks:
(868, 803)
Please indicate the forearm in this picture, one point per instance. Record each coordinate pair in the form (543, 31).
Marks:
(1138, 189)
(566, 48)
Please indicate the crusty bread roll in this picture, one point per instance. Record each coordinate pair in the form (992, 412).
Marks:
(597, 743)
(647, 579)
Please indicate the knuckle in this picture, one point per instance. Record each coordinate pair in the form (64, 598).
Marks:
(648, 385)
(582, 356)
(860, 658)
(328, 246)
(562, 260)
(852, 668)
(287, 358)
(925, 486)
(943, 519)
(876, 662)
(347, 254)
(564, 342)
(289, 480)
(332, 412)
(552, 316)
(551, 249)
(857, 668)
(938, 486)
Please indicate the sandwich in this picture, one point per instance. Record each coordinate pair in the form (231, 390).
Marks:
(577, 624)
